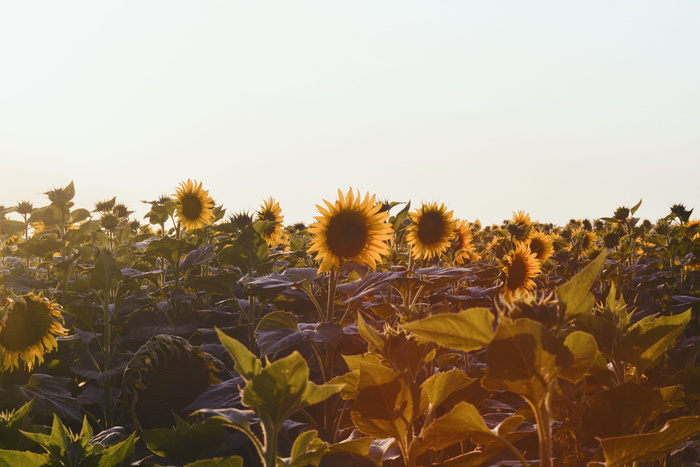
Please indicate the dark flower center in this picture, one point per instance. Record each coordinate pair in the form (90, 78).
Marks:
(191, 206)
(431, 228)
(537, 247)
(347, 234)
(517, 273)
(26, 325)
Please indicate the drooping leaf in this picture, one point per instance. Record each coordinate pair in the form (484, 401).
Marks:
(575, 295)
(278, 330)
(49, 394)
(467, 330)
(384, 411)
(185, 442)
(197, 257)
(623, 450)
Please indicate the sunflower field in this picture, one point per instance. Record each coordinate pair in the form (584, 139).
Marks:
(383, 334)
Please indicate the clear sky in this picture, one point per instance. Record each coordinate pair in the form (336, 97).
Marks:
(564, 109)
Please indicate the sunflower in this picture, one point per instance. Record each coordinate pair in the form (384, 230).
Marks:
(463, 242)
(28, 329)
(520, 267)
(430, 233)
(194, 205)
(352, 229)
(521, 218)
(587, 240)
(541, 245)
(271, 212)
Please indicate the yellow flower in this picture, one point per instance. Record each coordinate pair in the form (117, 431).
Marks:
(194, 205)
(520, 267)
(431, 231)
(463, 242)
(588, 240)
(28, 329)
(541, 245)
(521, 218)
(270, 211)
(352, 229)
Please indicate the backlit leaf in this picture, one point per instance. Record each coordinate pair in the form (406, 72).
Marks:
(245, 363)
(575, 295)
(467, 330)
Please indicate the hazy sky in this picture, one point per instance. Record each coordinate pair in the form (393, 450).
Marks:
(561, 108)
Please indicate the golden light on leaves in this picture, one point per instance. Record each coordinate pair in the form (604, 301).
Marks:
(351, 229)
(194, 205)
(431, 231)
(28, 330)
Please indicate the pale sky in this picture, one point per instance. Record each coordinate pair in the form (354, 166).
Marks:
(564, 109)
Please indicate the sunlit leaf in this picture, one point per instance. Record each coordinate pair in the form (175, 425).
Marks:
(467, 330)
(23, 458)
(584, 349)
(623, 450)
(440, 386)
(575, 295)
(307, 449)
(245, 362)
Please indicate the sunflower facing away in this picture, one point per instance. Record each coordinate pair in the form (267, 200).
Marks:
(463, 243)
(28, 329)
(541, 245)
(521, 266)
(352, 229)
(431, 231)
(194, 205)
(272, 212)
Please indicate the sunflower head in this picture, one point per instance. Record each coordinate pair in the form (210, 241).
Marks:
(241, 219)
(622, 213)
(536, 306)
(271, 212)
(194, 205)
(351, 229)
(24, 208)
(521, 266)
(164, 376)
(541, 245)
(681, 213)
(519, 228)
(28, 329)
(431, 230)
(462, 242)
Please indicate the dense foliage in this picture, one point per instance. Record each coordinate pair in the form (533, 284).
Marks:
(377, 336)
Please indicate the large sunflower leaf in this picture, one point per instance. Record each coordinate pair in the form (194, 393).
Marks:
(525, 357)
(233, 461)
(648, 339)
(384, 411)
(23, 458)
(584, 349)
(623, 450)
(49, 394)
(575, 295)
(467, 330)
(278, 330)
(440, 386)
(459, 423)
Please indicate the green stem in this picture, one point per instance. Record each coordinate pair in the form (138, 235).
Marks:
(270, 445)
(544, 430)
(330, 308)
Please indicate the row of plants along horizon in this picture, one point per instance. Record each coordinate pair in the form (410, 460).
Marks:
(382, 334)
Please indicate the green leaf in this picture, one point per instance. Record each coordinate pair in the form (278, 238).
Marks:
(467, 330)
(461, 422)
(233, 461)
(235, 418)
(575, 295)
(369, 334)
(648, 339)
(358, 446)
(245, 362)
(23, 458)
(120, 454)
(584, 349)
(384, 411)
(623, 450)
(106, 272)
(11, 227)
(525, 357)
(278, 330)
(49, 394)
(79, 215)
(635, 207)
(440, 386)
(185, 442)
(307, 449)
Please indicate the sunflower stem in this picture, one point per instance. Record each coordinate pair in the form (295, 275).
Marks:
(330, 308)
